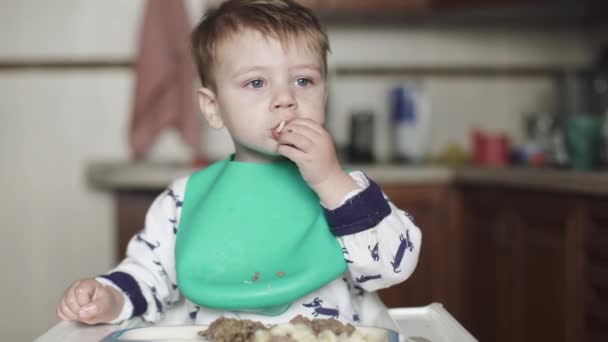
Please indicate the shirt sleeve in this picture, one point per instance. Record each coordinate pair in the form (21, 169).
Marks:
(147, 276)
(380, 242)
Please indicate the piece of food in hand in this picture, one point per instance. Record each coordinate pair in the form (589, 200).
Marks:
(276, 132)
(297, 330)
(281, 125)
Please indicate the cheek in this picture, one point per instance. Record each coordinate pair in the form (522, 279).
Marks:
(312, 105)
(242, 101)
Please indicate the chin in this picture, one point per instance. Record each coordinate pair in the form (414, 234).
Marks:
(268, 153)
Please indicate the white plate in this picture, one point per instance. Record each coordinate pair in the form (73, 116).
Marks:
(190, 333)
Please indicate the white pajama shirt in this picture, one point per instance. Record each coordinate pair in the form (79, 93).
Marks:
(379, 241)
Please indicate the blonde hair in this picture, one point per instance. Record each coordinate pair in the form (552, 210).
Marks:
(279, 19)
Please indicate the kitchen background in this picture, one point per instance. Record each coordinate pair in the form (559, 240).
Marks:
(480, 71)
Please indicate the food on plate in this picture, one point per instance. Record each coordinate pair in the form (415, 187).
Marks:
(299, 329)
(228, 329)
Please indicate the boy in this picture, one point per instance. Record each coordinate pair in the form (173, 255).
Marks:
(277, 229)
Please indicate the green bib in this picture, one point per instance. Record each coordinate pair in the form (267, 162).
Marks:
(253, 237)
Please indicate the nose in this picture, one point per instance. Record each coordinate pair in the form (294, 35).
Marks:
(283, 99)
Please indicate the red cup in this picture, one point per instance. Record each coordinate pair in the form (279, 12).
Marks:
(489, 149)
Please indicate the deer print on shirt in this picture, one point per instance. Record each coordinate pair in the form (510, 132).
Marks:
(320, 310)
(345, 252)
(150, 245)
(159, 306)
(404, 244)
(194, 313)
(365, 278)
(174, 223)
(374, 252)
(178, 202)
(161, 270)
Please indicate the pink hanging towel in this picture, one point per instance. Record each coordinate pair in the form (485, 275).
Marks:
(164, 72)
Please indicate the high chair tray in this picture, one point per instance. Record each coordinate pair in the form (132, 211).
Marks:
(429, 323)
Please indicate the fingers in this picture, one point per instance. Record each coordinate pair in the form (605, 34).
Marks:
(313, 125)
(291, 153)
(65, 313)
(301, 134)
(84, 293)
(68, 306)
(95, 311)
(297, 140)
(78, 302)
(91, 313)
(104, 308)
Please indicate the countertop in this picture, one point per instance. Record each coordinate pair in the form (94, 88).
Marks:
(118, 175)
(154, 176)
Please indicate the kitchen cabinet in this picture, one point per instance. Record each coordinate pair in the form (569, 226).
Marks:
(131, 207)
(595, 258)
(525, 261)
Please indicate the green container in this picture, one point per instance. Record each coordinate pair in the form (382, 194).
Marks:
(583, 137)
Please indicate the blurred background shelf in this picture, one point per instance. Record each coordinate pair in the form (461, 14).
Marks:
(581, 13)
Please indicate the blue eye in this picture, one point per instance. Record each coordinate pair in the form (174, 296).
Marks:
(303, 82)
(256, 84)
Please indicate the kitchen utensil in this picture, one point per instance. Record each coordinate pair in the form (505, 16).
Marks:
(583, 136)
(361, 137)
(489, 149)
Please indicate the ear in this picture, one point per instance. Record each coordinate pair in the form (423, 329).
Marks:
(208, 104)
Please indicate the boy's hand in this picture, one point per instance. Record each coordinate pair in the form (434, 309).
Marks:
(310, 146)
(90, 302)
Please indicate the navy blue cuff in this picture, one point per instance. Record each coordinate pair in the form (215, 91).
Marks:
(129, 286)
(361, 212)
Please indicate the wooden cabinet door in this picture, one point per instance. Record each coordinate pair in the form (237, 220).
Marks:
(595, 277)
(488, 268)
(131, 208)
(547, 248)
(524, 252)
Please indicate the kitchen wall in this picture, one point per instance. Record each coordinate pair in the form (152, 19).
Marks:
(52, 122)
(456, 102)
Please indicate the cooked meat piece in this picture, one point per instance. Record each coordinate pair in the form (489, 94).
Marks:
(234, 330)
(231, 330)
(319, 325)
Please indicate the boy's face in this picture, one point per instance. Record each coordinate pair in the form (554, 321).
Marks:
(260, 82)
